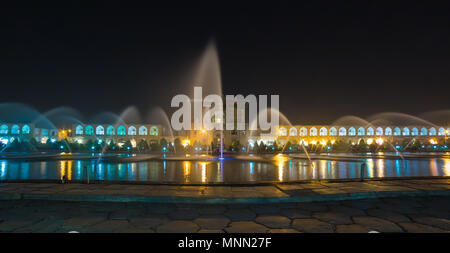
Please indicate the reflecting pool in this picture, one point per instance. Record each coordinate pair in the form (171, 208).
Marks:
(226, 171)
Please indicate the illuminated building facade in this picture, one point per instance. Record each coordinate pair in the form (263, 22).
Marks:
(296, 134)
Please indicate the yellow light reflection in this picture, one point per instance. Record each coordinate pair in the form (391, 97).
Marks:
(63, 169)
(203, 164)
(323, 166)
(69, 170)
(380, 167)
(187, 170)
(280, 160)
(370, 167)
(446, 167)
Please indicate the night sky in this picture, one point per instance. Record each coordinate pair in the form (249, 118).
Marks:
(324, 60)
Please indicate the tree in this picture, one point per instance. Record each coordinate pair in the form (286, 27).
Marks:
(177, 144)
(143, 145)
(236, 146)
(128, 145)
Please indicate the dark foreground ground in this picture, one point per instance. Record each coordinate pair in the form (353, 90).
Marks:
(402, 214)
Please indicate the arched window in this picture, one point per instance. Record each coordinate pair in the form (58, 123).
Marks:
(333, 131)
(282, 131)
(89, 130)
(342, 131)
(293, 131)
(370, 131)
(388, 131)
(423, 131)
(142, 130)
(397, 131)
(432, 131)
(415, 131)
(99, 130)
(26, 129)
(351, 131)
(79, 130)
(15, 129)
(121, 130)
(303, 131)
(131, 130)
(405, 131)
(361, 131)
(154, 131)
(44, 132)
(4, 129)
(110, 130)
(441, 131)
(323, 131)
(313, 131)
(379, 131)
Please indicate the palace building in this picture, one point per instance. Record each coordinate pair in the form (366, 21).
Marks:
(296, 134)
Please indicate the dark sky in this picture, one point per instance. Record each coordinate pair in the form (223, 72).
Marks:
(324, 60)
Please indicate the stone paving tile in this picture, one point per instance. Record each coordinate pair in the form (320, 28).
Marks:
(82, 221)
(205, 231)
(108, 226)
(211, 209)
(178, 226)
(137, 230)
(283, 230)
(352, 228)
(432, 221)
(419, 228)
(274, 221)
(333, 217)
(360, 204)
(387, 215)
(246, 227)
(377, 224)
(313, 207)
(312, 226)
(295, 213)
(149, 221)
(240, 214)
(126, 213)
(214, 222)
(399, 208)
(349, 211)
(265, 209)
(436, 212)
(183, 214)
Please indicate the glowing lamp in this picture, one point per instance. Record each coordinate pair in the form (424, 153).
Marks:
(379, 141)
(186, 142)
(369, 141)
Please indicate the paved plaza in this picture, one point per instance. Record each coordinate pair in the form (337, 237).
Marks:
(402, 214)
(420, 205)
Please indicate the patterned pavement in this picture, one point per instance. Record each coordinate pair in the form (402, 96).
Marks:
(399, 214)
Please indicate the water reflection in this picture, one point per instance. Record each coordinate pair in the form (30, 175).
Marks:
(230, 171)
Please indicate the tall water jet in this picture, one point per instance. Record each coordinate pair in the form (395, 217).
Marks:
(253, 124)
(351, 120)
(208, 76)
(158, 116)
